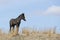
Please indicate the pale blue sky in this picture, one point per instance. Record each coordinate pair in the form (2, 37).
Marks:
(40, 14)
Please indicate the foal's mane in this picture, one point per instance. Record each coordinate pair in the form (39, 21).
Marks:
(20, 15)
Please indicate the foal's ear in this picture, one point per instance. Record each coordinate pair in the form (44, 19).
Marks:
(23, 14)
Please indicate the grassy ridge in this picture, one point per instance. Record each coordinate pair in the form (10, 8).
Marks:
(34, 35)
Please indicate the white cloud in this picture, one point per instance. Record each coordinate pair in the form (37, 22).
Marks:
(53, 10)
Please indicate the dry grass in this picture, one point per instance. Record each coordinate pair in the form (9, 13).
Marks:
(27, 35)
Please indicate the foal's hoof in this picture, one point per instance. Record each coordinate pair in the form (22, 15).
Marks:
(17, 34)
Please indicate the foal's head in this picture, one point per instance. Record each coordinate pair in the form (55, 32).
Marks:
(22, 16)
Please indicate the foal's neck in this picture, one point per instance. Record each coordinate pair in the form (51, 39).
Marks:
(19, 18)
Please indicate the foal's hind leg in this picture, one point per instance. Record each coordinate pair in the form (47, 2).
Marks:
(10, 28)
(17, 29)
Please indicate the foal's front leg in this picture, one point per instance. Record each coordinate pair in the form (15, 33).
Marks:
(17, 29)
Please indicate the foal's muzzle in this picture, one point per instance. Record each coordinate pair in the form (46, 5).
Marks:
(24, 19)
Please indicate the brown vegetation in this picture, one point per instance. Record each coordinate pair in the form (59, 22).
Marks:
(28, 35)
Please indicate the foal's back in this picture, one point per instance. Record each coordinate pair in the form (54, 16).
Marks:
(13, 21)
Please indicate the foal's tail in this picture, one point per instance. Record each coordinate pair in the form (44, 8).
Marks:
(10, 29)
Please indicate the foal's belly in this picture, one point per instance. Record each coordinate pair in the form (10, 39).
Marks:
(14, 22)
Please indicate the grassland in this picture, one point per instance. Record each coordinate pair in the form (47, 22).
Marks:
(34, 35)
